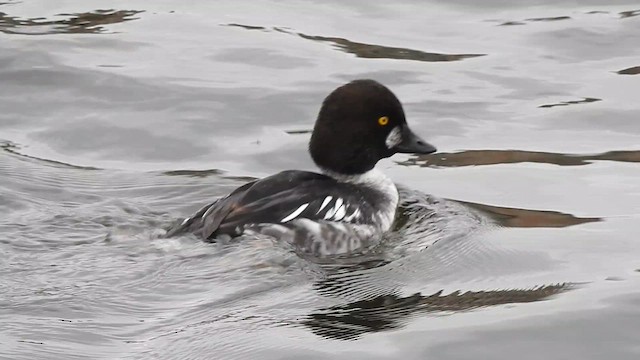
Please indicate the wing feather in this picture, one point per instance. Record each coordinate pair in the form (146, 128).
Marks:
(281, 198)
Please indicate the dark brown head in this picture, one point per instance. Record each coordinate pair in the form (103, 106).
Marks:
(359, 124)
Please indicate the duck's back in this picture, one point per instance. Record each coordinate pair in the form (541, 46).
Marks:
(297, 205)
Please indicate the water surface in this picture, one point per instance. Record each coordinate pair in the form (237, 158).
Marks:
(518, 239)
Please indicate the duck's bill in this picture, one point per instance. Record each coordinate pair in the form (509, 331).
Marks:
(413, 144)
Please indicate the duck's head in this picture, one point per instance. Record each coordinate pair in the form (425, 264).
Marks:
(359, 124)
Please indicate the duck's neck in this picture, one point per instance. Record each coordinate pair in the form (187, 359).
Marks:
(372, 176)
(376, 180)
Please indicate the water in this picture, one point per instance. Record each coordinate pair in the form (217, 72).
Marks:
(119, 118)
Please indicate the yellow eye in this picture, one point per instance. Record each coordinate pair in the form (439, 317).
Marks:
(383, 121)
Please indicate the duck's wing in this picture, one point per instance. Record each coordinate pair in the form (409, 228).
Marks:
(278, 199)
(209, 217)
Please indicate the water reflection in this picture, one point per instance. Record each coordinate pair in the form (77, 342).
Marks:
(538, 19)
(369, 51)
(247, 27)
(207, 173)
(628, 14)
(298, 132)
(622, 14)
(554, 18)
(88, 22)
(14, 149)
(572, 102)
(630, 71)
(194, 173)
(514, 217)
(350, 321)
(493, 157)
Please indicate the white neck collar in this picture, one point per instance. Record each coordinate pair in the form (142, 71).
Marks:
(373, 175)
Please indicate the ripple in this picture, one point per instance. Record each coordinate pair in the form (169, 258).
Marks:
(494, 157)
(130, 287)
(368, 51)
(266, 58)
(84, 275)
(77, 23)
(14, 149)
(194, 173)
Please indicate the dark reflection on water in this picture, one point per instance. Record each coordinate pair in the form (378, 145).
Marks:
(194, 173)
(89, 22)
(247, 27)
(628, 14)
(513, 217)
(370, 51)
(623, 15)
(298, 132)
(554, 18)
(350, 321)
(372, 285)
(630, 71)
(207, 173)
(13, 148)
(572, 102)
(493, 157)
(539, 19)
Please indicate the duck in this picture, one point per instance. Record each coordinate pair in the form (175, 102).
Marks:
(343, 209)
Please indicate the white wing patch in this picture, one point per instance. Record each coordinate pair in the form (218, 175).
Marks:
(333, 211)
(294, 214)
(338, 204)
(330, 213)
(326, 201)
(354, 214)
(340, 213)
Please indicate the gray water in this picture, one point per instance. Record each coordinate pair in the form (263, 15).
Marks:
(519, 239)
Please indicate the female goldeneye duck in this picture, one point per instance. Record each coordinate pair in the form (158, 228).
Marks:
(344, 210)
